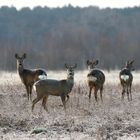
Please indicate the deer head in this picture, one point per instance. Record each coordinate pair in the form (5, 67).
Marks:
(70, 70)
(92, 64)
(129, 65)
(20, 59)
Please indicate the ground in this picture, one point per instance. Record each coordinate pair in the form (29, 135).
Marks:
(112, 119)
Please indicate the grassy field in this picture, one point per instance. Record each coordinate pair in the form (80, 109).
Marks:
(112, 119)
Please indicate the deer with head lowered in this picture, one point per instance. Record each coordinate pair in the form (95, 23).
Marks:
(61, 88)
(95, 78)
(28, 76)
(126, 79)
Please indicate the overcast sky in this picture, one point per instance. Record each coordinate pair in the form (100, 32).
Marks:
(59, 3)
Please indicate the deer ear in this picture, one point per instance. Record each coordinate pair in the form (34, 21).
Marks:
(16, 56)
(75, 66)
(127, 63)
(24, 56)
(131, 62)
(96, 62)
(66, 66)
(88, 62)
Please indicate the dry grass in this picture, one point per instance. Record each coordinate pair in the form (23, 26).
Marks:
(111, 120)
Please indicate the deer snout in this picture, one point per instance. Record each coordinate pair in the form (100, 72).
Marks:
(132, 69)
(19, 63)
(71, 73)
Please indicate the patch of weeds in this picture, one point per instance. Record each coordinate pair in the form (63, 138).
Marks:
(39, 130)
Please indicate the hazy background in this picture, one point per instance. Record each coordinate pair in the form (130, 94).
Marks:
(54, 36)
(69, 34)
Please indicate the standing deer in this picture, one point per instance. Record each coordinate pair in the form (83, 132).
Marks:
(95, 78)
(126, 79)
(61, 88)
(28, 76)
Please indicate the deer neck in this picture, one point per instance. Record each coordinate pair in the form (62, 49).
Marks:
(128, 69)
(70, 79)
(91, 69)
(70, 82)
(20, 69)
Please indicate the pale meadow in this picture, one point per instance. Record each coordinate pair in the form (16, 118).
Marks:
(112, 119)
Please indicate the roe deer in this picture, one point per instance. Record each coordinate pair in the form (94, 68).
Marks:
(61, 88)
(95, 78)
(28, 76)
(126, 79)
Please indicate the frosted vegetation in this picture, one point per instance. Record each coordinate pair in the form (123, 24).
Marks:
(112, 77)
(112, 119)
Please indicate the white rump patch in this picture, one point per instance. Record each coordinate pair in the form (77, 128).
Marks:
(125, 77)
(92, 78)
(42, 77)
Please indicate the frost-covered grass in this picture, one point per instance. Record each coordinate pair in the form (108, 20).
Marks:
(112, 77)
(112, 119)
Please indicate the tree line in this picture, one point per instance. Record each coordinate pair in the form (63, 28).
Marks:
(54, 36)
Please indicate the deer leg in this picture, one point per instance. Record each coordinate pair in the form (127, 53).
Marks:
(128, 94)
(63, 98)
(30, 89)
(67, 98)
(95, 94)
(90, 93)
(101, 91)
(123, 92)
(35, 101)
(44, 102)
(27, 90)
